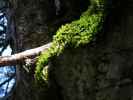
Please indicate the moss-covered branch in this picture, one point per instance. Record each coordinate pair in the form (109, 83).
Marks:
(74, 34)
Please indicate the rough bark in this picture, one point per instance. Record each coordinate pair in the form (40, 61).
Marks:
(36, 21)
(102, 71)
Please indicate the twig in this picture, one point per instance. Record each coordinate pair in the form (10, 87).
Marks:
(19, 57)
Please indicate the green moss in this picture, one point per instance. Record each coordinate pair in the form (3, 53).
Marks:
(74, 34)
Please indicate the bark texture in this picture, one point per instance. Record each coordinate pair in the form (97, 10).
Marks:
(101, 70)
(36, 21)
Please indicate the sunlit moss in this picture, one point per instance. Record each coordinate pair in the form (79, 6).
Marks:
(45, 74)
(74, 34)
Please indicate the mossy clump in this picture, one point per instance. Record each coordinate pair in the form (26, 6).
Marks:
(74, 34)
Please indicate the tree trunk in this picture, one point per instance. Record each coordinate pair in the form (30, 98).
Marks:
(101, 70)
(36, 22)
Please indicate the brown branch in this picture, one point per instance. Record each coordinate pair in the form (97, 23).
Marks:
(19, 57)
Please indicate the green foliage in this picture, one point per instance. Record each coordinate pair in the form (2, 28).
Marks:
(74, 34)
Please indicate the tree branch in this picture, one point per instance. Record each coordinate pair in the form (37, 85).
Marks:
(19, 57)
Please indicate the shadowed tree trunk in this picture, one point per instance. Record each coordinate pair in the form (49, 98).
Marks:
(36, 22)
(101, 70)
